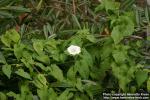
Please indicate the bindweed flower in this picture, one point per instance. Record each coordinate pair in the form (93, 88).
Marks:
(74, 50)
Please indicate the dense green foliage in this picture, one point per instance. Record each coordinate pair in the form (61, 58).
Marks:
(35, 63)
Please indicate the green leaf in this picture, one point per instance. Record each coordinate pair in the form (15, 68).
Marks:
(120, 72)
(16, 8)
(38, 7)
(43, 58)
(2, 96)
(2, 58)
(24, 74)
(108, 5)
(14, 35)
(10, 36)
(5, 14)
(116, 34)
(119, 56)
(71, 73)
(141, 77)
(148, 84)
(38, 84)
(100, 7)
(83, 68)
(122, 26)
(28, 56)
(40, 65)
(78, 98)
(7, 70)
(79, 85)
(66, 95)
(11, 94)
(91, 38)
(92, 90)
(133, 89)
(47, 94)
(75, 20)
(123, 81)
(38, 46)
(42, 79)
(18, 50)
(27, 60)
(26, 94)
(87, 57)
(6, 40)
(106, 51)
(111, 5)
(76, 41)
(56, 72)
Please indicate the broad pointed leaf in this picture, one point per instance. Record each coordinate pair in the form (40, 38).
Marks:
(2, 58)
(141, 77)
(56, 72)
(7, 70)
(22, 73)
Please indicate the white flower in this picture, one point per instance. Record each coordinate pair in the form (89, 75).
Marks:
(74, 50)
